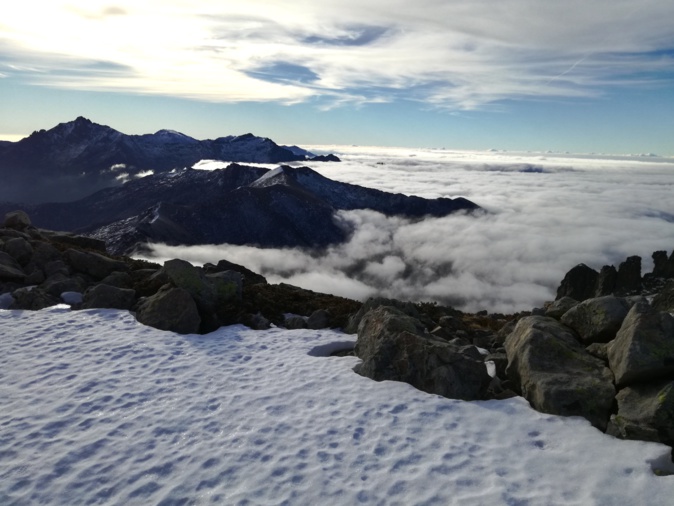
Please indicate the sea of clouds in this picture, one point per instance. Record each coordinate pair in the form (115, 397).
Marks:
(544, 213)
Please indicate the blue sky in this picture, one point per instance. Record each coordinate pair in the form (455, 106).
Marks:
(504, 74)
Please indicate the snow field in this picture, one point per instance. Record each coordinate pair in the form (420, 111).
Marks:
(96, 408)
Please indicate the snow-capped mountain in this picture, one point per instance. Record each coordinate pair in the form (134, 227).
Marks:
(75, 159)
(283, 207)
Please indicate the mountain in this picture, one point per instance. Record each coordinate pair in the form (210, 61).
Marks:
(75, 159)
(283, 207)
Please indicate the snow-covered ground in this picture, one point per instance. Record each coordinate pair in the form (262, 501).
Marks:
(98, 409)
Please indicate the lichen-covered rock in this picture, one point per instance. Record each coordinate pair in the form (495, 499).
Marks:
(643, 349)
(556, 374)
(664, 301)
(107, 296)
(597, 320)
(645, 412)
(579, 283)
(171, 309)
(557, 309)
(393, 346)
(94, 265)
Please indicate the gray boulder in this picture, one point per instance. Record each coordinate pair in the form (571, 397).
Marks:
(557, 309)
(17, 220)
(664, 301)
(19, 249)
(597, 320)
(118, 279)
(579, 283)
(33, 299)
(43, 254)
(645, 412)
(58, 283)
(171, 309)
(319, 319)
(92, 264)
(643, 350)
(606, 281)
(106, 296)
(556, 374)
(374, 302)
(393, 346)
(295, 322)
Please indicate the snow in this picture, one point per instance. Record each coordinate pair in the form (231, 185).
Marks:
(96, 408)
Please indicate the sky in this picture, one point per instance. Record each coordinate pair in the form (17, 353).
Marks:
(544, 214)
(559, 75)
(99, 409)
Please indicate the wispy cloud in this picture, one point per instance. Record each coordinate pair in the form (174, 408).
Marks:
(454, 54)
(546, 214)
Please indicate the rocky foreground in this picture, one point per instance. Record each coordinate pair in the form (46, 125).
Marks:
(604, 350)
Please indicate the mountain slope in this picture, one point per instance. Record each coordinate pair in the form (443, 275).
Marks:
(75, 159)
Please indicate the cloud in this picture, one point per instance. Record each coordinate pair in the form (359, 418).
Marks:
(539, 224)
(458, 55)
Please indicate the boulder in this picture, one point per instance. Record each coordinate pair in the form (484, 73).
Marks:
(557, 309)
(118, 279)
(19, 249)
(107, 296)
(56, 267)
(643, 349)
(645, 412)
(374, 302)
(249, 277)
(17, 220)
(171, 309)
(78, 241)
(319, 319)
(579, 283)
(92, 264)
(629, 276)
(556, 374)
(257, 322)
(33, 299)
(393, 346)
(43, 254)
(606, 281)
(597, 320)
(9, 273)
(294, 322)
(58, 283)
(6, 300)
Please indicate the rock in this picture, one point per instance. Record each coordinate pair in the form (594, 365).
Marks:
(228, 285)
(19, 249)
(34, 278)
(597, 320)
(107, 296)
(8, 273)
(579, 283)
(32, 298)
(374, 302)
(557, 309)
(249, 277)
(645, 412)
(43, 254)
(319, 319)
(257, 322)
(643, 350)
(56, 267)
(171, 309)
(118, 279)
(17, 220)
(392, 346)
(628, 280)
(606, 281)
(78, 241)
(663, 267)
(295, 322)
(57, 284)
(555, 373)
(664, 301)
(599, 350)
(92, 264)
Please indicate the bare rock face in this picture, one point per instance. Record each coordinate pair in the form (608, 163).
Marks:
(645, 412)
(628, 280)
(643, 349)
(171, 309)
(597, 320)
(556, 374)
(579, 283)
(663, 267)
(393, 346)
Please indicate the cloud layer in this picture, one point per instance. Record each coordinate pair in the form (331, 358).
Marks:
(455, 54)
(545, 215)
